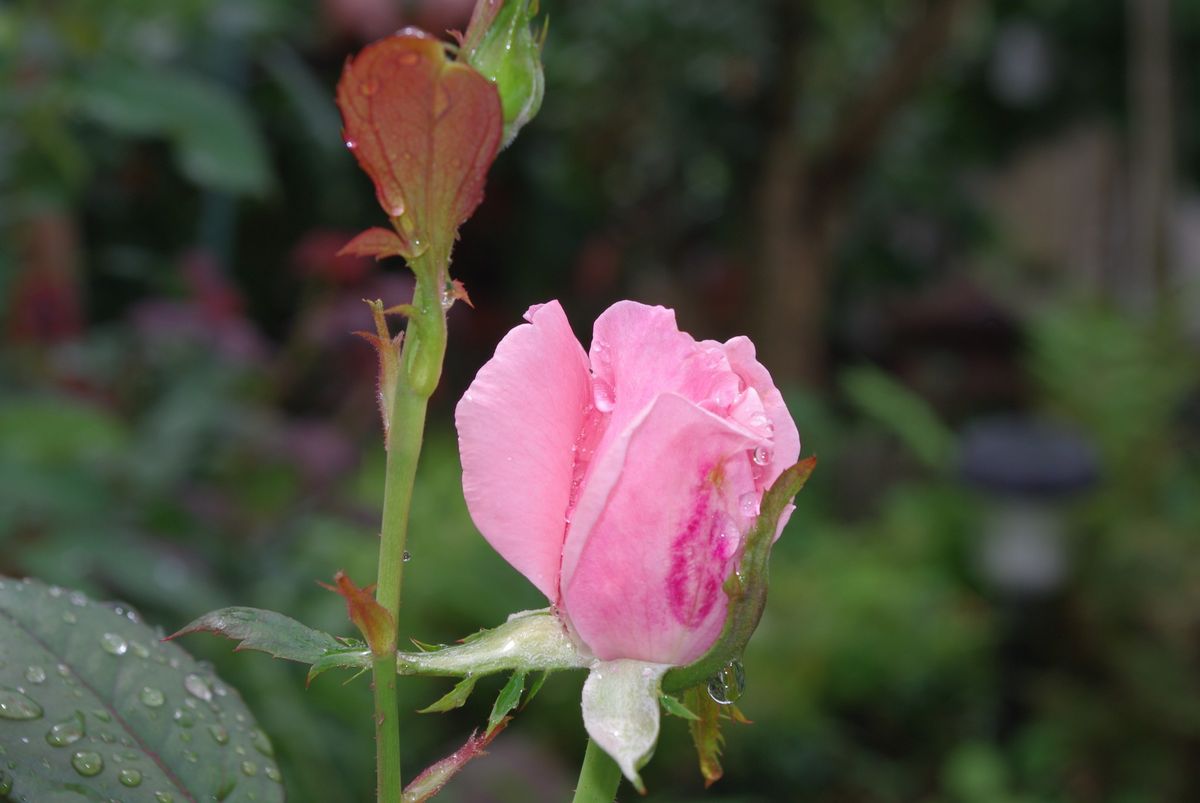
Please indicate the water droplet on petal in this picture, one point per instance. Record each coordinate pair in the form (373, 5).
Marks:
(727, 685)
(87, 763)
(113, 644)
(761, 456)
(129, 777)
(219, 733)
(749, 505)
(198, 687)
(15, 705)
(368, 87)
(35, 674)
(249, 768)
(66, 732)
(151, 697)
(409, 59)
(351, 144)
(602, 396)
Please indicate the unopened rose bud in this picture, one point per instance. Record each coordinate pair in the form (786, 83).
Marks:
(501, 44)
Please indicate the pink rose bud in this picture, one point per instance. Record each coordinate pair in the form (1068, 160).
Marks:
(622, 481)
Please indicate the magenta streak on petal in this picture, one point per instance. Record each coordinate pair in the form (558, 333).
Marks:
(698, 558)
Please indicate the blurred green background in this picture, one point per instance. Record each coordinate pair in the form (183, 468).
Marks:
(930, 216)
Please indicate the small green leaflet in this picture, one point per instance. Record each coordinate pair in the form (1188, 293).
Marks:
(454, 698)
(676, 708)
(507, 700)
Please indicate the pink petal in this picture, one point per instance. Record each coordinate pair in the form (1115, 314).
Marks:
(785, 450)
(655, 533)
(517, 424)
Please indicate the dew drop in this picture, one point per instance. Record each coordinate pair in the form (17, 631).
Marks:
(602, 396)
(272, 772)
(219, 733)
(139, 649)
(69, 731)
(249, 768)
(151, 697)
(113, 644)
(63, 670)
(761, 456)
(15, 705)
(184, 719)
(69, 617)
(87, 763)
(102, 715)
(727, 685)
(163, 797)
(6, 783)
(749, 505)
(397, 210)
(409, 59)
(107, 737)
(129, 777)
(261, 743)
(190, 756)
(35, 674)
(351, 144)
(368, 88)
(198, 687)
(406, 557)
(77, 599)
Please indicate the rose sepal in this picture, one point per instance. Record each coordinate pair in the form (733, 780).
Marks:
(747, 586)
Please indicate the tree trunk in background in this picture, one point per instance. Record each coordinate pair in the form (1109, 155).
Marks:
(1151, 162)
(803, 197)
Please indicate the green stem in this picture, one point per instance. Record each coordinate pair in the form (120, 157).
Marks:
(421, 368)
(598, 777)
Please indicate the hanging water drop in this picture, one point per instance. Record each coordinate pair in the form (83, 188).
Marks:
(87, 763)
(151, 697)
(198, 687)
(761, 456)
(15, 705)
(113, 644)
(727, 685)
(66, 732)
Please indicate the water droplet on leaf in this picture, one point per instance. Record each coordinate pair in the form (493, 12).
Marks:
(219, 733)
(87, 763)
(151, 697)
(198, 687)
(15, 705)
(113, 644)
(66, 732)
(6, 783)
(129, 777)
(69, 617)
(272, 772)
(727, 685)
(249, 768)
(261, 743)
(184, 719)
(35, 674)
(406, 556)
(163, 797)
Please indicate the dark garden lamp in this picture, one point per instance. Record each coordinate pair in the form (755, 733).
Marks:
(1027, 468)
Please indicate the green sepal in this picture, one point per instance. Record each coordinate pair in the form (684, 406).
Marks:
(676, 708)
(507, 700)
(746, 587)
(501, 44)
(535, 687)
(452, 699)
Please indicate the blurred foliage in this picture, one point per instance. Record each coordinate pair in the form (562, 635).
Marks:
(185, 422)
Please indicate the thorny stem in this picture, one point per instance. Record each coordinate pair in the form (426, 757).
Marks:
(421, 368)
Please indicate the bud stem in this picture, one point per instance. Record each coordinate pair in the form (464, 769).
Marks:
(598, 777)
(421, 368)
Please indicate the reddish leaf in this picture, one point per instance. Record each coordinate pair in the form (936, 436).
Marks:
(374, 242)
(371, 618)
(424, 129)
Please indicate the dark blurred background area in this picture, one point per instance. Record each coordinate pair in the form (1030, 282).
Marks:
(964, 235)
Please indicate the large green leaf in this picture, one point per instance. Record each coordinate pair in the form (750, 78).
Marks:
(216, 142)
(93, 706)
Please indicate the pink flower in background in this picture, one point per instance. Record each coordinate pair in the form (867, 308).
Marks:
(621, 482)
